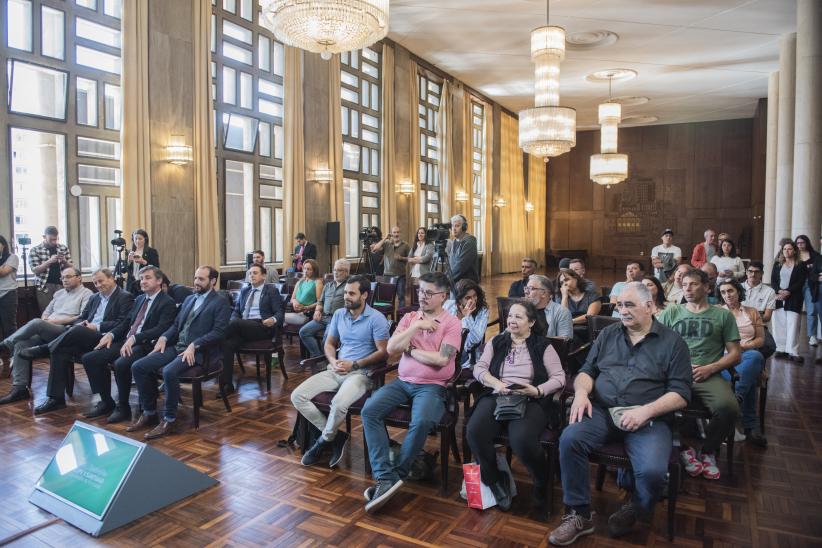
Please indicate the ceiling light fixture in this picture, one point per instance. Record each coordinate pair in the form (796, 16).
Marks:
(327, 26)
(585, 40)
(616, 75)
(609, 167)
(547, 130)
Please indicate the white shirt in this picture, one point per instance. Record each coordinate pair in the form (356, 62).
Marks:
(415, 270)
(254, 311)
(101, 309)
(761, 297)
(149, 302)
(734, 264)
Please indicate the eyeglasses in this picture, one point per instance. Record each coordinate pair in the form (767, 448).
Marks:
(529, 289)
(429, 294)
(754, 271)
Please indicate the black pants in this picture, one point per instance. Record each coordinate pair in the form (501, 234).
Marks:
(238, 333)
(523, 435)
(96, 365)
(8, 314)
(75, 342)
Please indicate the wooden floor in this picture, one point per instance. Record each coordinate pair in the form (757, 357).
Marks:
(266, 498)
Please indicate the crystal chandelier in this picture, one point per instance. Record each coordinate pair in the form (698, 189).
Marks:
(608, 167)
(326, 26)
(547, 130)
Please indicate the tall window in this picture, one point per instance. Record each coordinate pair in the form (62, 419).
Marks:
(61, 75)
(478, 163)
(247, 72)
(429, 149)
(361, 136)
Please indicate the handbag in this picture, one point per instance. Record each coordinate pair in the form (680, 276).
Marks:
(768, 348)
(510, 407)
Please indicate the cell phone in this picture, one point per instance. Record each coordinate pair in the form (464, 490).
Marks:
(515, 386)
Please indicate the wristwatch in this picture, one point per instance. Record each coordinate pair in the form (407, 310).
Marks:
(355, 366)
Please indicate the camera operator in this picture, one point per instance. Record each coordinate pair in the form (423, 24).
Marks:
(462, 257)
(140, 255)
(47, 260)
(395, 257)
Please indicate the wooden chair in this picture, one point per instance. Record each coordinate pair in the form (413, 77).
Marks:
(383, 299)
(607, 309)
(264, 350)
(235, 285)
(597, 323)
(413, 307)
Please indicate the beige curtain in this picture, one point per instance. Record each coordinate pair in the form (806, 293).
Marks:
(490, 244)
(444, 135)
(294, 152)
(335, 153)
(417, 213)
(512, 189)
(388, 197)
(463, 102)
(135, 137)
(536, 219)
(206, 217)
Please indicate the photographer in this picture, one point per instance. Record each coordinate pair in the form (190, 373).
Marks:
(462, 257)
(140, 255)
(47, 260)
(395, 257)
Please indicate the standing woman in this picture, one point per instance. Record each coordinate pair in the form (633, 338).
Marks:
(306, 294)
(787, 278)
(8, 291)
(140, 255)
(420, 256)
(807, 256)
(728, 263)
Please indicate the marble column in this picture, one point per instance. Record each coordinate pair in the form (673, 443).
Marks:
(806, 217)
(770, 170)
(785, 139)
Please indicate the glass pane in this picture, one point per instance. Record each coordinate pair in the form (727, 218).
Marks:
(98, 148)
(114, 218)
(370, 202)
(38, 174)
(278, 142)
(230, 5)
(344, 120)
(53, 35)
(18, 25)
(89, 214)
(38, 90)
(278, 59)
(90, 4)
(97, 59)
(351, 157)
(366, 96)
(265, 141)
(366, 160)
(264, 53)
(229, 85)
(355, 124)
(349, 95)
(371, 55)
(375, 163)
(86, 102)
(268, 192)
(370, 136)
(369, 120)
(370, 186)
(371, 70)
(270, 107)
(270, 88)
(237, 32)
(98, 175)
(351, 206)
(114, 106)
(245, 9)
(270, 172)
(278, 231)
(98, 33)
(350, 79)
(240, 132)
(375, 97)
(113, 8)
(239, 212)
(246, 83)
(265, 231)
(237, 53)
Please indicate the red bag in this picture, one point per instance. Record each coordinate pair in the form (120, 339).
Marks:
(478, 494)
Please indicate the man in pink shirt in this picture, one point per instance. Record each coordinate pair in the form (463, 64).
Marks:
(429, 340)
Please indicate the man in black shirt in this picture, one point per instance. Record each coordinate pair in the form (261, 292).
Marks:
(528, 267)
(637, 373)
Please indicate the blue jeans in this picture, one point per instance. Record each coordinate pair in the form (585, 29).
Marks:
(428, 405)
(143, 372)
(748, 370)
(810, 310)
(308, 335)
(648, 449)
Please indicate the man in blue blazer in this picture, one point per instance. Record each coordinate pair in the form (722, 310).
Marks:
(201, 322)
(106, 309)
(257, 315)
(153, 313)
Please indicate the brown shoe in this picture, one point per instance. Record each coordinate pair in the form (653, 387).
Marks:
(572, 527)
(144, 421)
(165, 428)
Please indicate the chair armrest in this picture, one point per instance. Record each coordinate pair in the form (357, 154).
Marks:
(313, 362)
(378, 372)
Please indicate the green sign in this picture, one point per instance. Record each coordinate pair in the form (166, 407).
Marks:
(88, 468)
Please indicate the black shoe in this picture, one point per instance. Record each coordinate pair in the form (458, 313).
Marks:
(538, 496)
(17, 393)
(227, 389)
(102, 409)
(796, 359)
(383, 491)
(338, 449)
(35, 352)
(49, 405)
(756, 437)
(502, 492)
(622, 521)
(818, 361)
(780, 355)
(315, 453)
(121, 413)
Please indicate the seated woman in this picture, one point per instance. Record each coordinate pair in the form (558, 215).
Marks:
(306, 294)
(471, 308)
(752, 337)
(579, 302)
(517, 361)
(658, 294)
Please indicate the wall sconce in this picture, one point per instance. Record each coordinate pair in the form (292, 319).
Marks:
(500, 202)
(529, 207)
(177, 152)
(324, 176)
(405, 187)
(461, 196)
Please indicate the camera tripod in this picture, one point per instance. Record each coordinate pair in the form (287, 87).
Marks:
(367, 257)
(121, 266)
(439, 261)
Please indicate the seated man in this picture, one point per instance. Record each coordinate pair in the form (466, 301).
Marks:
(713, 274)
(528, 267)
(258, 312)
(673, 285)
(258, 257)
(578, 266)
(66, 306)
(330, 301)
(636, 375)
(634, 271)
(362, 334)
(758, 295)
(106, 309)
(555, 320)
(429, 340)
(152, 314)
(713, 339)
(202, 321)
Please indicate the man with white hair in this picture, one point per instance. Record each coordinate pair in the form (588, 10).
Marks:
(555, 320)
(462, 256)
(331, 300)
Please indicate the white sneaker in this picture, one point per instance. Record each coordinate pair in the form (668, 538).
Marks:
(813, 341)
(691, 463)
(709, 468)
(739, 436)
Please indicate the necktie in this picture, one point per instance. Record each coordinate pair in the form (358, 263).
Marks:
(248, 304)
(141, 314)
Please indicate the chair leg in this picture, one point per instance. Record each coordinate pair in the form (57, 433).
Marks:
(197, 397)
(466, 449)
(70, 381)
(445, 441)
(454, 449)
(366, 460)
(763, 398)
(730, 444)
(268, 366)
(601, 469)
(673, 489)
(281, 358)
(348, 423)
(549, 495)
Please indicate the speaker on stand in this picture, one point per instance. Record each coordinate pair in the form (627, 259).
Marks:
(332, 238)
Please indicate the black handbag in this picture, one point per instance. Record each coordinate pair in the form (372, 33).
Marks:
(768, 348)
(510, 407)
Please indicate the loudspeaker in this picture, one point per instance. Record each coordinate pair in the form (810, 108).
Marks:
(332, 233)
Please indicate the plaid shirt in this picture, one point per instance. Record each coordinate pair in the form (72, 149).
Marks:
(40, 254)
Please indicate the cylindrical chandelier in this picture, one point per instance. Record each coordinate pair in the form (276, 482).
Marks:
(609, 167)
(326, 26)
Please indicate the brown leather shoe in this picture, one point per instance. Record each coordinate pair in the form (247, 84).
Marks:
(144, 421)
(165, 428)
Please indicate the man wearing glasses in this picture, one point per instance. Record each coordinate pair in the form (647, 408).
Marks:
(331, 300)
(428, 340)
(555, 320)
(66, 306)
(757, 294)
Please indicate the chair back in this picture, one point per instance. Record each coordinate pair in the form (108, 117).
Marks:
(597, 323)
(607, 309)
(606, 291)
(387, 279)
(415, 297)
(235, 284)
(458, 357)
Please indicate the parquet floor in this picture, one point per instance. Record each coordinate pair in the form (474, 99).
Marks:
(266, 498)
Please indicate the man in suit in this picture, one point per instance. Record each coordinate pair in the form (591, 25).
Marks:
(153, 313)
(302, 251)
(202, 321)
(258, 312)
(462, 256)
(106, 309)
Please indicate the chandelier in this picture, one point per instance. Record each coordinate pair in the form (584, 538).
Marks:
(608, 167)
(326, 26)
(547, 130)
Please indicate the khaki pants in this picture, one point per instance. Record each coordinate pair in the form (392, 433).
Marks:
(349, 388)
(716, 394)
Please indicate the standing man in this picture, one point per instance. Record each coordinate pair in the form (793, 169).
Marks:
(703, 251)
(634, 271)
(47, 261)
(302, 251)
(554, 320)
(578, 266)
(665, 257)
(758, 295)
(258, 257)
(202, 320)
(528, 267)
(331, 300)
(462, 256)
(395, 258)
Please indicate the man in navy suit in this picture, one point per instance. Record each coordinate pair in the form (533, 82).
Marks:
(152, 314)
(202, 321)
(106, 309)
(257, 314)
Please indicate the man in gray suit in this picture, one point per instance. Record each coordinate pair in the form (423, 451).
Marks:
(462, 256)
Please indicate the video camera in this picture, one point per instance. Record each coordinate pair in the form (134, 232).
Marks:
(369, 235)
(118, 240)
(24, 240)
(438, 232)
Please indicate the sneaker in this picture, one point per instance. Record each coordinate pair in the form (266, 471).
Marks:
(755, 437)
(571, 528)
(709, 468)
(813, 341)
(739, 436)
(690, 462)
(368, 494)
(383, 491)
(622, 521)
(338, 448)
(313, 455)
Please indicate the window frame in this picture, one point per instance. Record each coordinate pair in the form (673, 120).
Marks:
(429, 176)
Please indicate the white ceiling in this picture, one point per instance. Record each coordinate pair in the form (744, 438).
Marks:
(696, 60)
